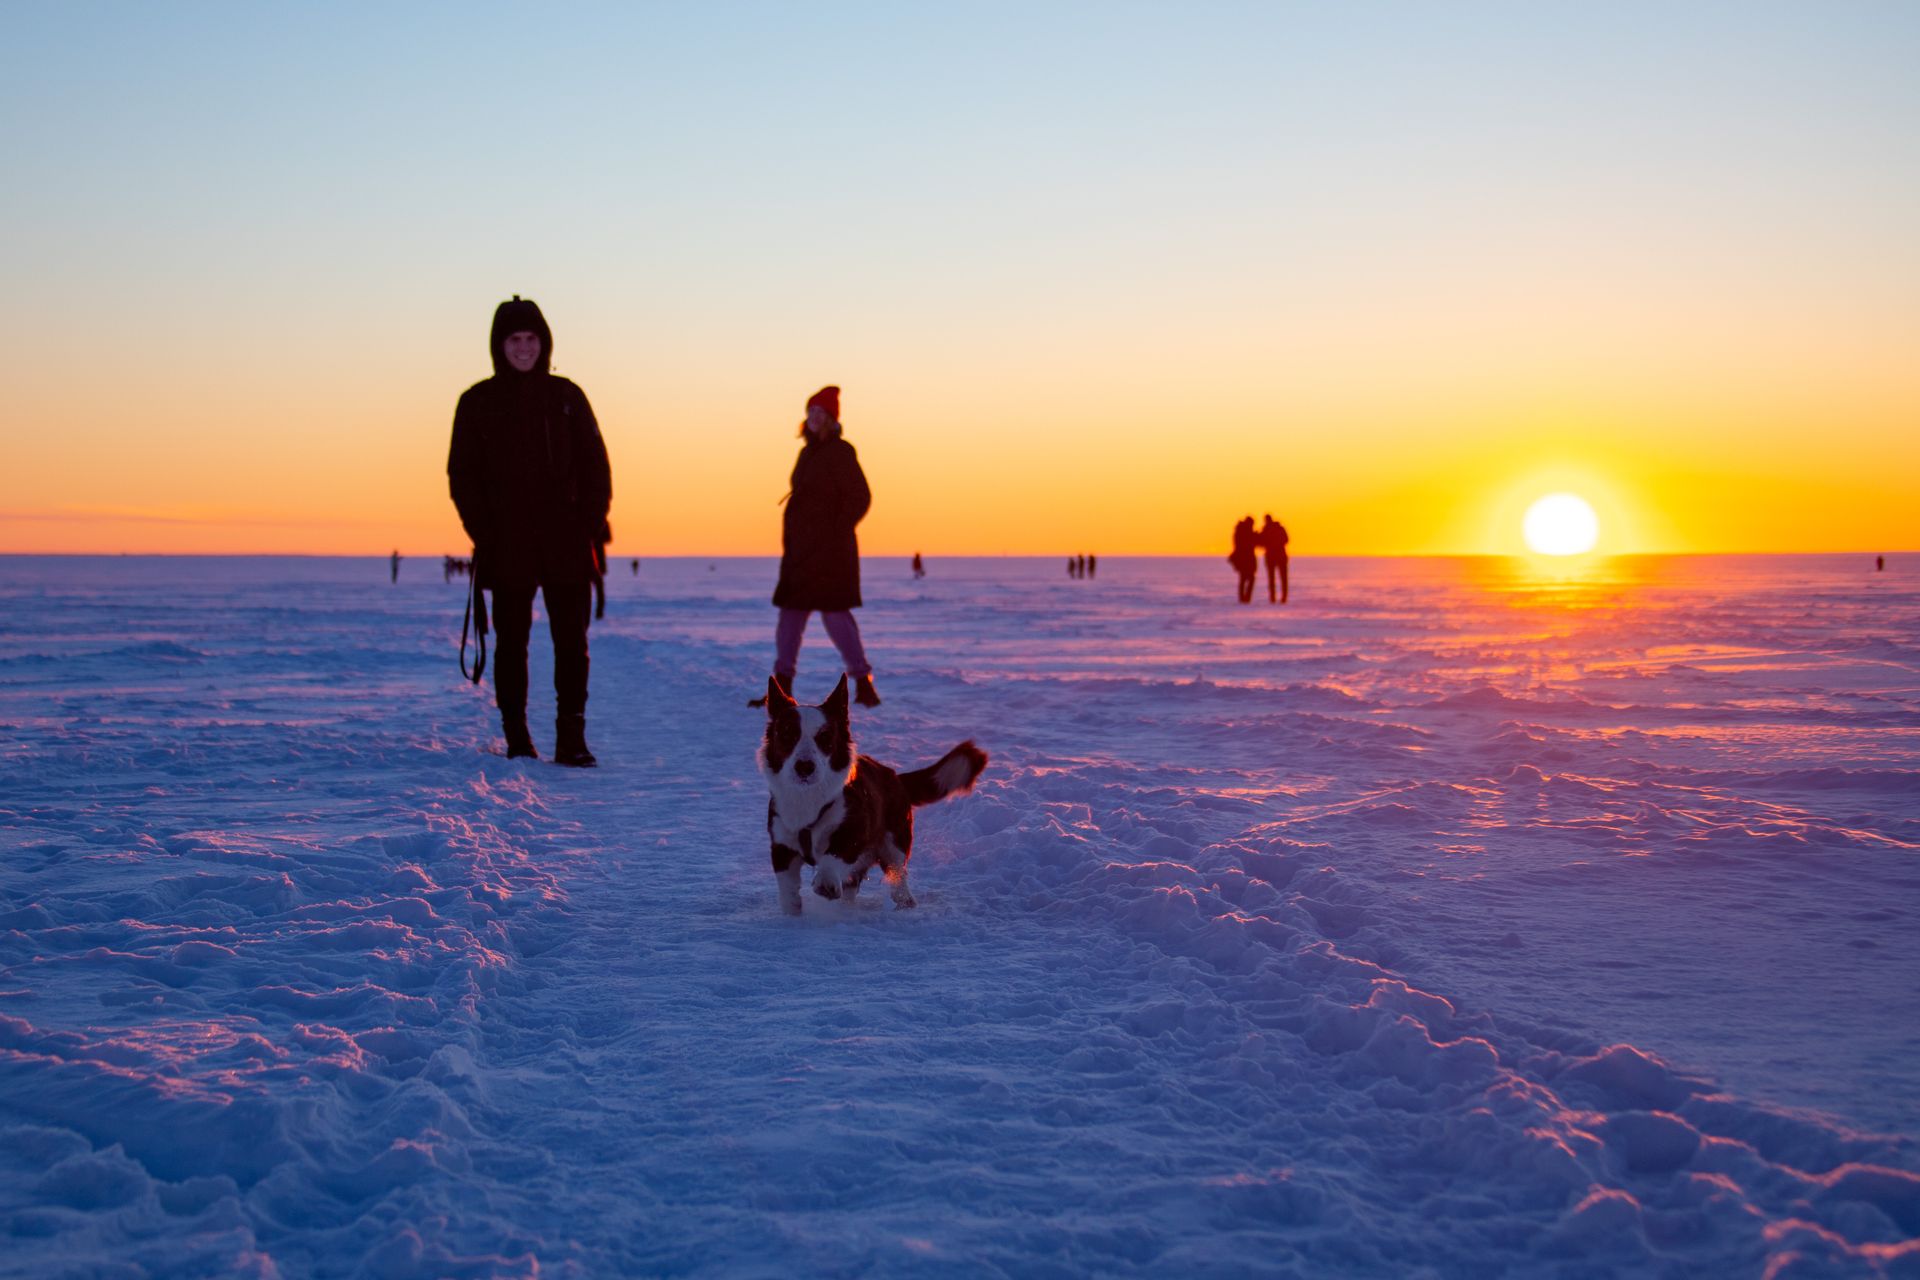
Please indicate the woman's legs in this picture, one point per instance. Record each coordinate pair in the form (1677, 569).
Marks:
(845, 634)
(786, 642)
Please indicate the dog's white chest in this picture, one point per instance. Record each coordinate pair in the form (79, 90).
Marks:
(794, 815)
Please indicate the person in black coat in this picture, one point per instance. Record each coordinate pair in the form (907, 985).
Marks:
(819, 551)
(1245, 559)
(529, 475)
(1273, 540)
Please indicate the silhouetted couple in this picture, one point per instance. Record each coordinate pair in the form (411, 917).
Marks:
(1247, 544)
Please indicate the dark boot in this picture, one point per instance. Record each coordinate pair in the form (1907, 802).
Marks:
(864, 693)
(519, 741)
(570, 743)
(786, 687)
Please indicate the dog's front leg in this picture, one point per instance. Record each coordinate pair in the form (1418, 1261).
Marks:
(786, 874)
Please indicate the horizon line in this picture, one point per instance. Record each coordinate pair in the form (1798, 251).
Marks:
(957, 555)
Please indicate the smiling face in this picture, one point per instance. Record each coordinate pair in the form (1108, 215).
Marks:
(807, 751)
(522, 349)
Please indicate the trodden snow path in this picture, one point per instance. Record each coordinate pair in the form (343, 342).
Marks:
(1374, 953)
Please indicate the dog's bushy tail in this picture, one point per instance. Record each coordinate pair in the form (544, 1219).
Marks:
(951, 774)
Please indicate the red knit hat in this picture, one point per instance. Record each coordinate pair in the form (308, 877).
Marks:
(827, 398)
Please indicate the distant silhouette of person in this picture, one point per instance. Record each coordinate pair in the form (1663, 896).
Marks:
(600, 569)
(636, 568)
(529, 474)
(1071, 568)
(820, 550)
(1090, 565)
(1879, 564)
(1245, 562)
(1273, 540)
(396, 567)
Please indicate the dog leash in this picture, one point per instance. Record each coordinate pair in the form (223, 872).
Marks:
(477, 616)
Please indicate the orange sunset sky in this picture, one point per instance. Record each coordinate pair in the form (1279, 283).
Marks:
(1093, 277)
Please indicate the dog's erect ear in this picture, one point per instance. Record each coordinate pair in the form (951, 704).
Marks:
(836, 704)
(778, 699)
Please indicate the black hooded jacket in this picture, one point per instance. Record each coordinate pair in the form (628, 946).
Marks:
(528, 469)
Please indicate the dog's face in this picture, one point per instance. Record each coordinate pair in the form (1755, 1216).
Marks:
(807, 750)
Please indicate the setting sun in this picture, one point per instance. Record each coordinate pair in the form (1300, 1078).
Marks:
(1561, 524)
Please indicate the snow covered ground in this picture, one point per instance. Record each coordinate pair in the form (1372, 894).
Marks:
(1447, 922)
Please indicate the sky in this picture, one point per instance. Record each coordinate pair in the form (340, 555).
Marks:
(1093, 277)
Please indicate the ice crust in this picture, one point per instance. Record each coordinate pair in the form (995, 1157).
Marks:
(1444, 923)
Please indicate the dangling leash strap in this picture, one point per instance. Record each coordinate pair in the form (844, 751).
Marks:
(476, 617)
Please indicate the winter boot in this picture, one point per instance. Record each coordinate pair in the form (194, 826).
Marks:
(786, 687)
(519, 741)
(864, 693)
(570, 743)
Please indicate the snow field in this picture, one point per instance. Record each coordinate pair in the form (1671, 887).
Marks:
(1439, 936)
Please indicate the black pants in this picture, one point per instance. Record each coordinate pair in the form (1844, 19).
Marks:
(567, 610)
(1277, 568)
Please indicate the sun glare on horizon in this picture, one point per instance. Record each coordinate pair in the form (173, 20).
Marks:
(1561, 524)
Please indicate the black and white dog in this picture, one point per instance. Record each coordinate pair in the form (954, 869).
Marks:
(839, 813)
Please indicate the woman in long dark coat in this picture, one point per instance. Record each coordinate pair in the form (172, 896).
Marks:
(819, 551)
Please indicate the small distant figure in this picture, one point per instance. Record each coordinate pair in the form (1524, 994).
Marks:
(446, 568)
(820, 550)
(1273, 539)
(1073, 569)
(1090, 565)
(396, 567)
(1245, 562)
(600, 569)
(1879, 564)
(919, 566)
(636, 568)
